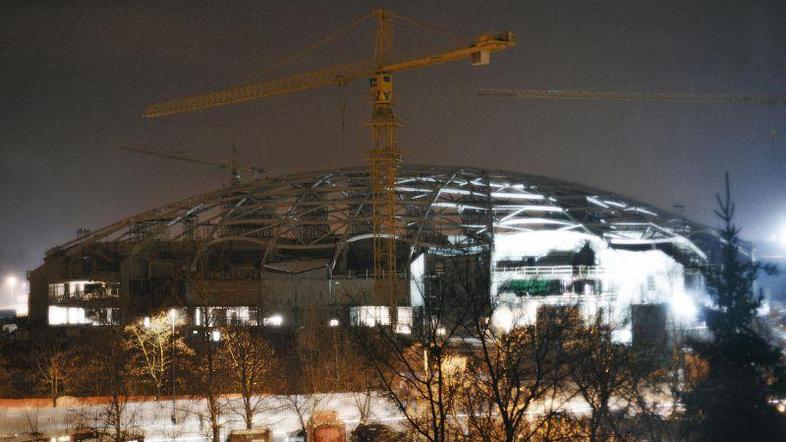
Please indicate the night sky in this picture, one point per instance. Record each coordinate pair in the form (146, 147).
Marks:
(75, 76)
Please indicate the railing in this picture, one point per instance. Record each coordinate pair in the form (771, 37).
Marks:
(565, 271)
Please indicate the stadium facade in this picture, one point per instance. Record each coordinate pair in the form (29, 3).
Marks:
(297, 249)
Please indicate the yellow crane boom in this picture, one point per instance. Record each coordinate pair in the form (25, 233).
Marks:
(556, 94)
(234, 167)
(478, 51)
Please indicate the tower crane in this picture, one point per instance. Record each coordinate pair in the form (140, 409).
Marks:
(384, 156)
(557, 94)
(233, 167)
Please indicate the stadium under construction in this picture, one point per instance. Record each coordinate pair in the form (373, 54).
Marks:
(297, 250)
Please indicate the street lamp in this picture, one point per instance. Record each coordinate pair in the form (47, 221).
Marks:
(173, 318)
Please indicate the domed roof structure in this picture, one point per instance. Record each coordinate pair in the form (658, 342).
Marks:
(439, 206)
(301, 241)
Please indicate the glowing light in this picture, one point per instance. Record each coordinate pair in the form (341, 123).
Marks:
(782, 235)
(333, 322)
(68, 316)
(417, 269)
(173, 315)
(622, 336)
(215, 336)
(275, 320)
(146, 322)
(502, 319)
(764, 309)
(683, 307)
(11, 280)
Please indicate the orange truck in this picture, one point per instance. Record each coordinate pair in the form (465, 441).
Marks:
(324, 426)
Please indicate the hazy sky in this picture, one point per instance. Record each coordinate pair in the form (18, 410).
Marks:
(75, 76)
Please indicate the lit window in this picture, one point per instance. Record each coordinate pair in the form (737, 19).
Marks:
(219, 316)
(369, 315)
(275, 320)
(81, 316)
(404, 320)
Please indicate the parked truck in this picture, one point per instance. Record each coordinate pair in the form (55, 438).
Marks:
(324, 426)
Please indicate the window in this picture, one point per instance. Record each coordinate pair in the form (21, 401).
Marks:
(404, 320)
(651, 283)
(81, 316)
(83, 290)
(219, 316)
(369, 315)
(57, 292)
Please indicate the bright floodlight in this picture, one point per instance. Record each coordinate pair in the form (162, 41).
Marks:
(172, 315)
(333, 322)
(782, 236)
(275, 320)
(10, 280)
(215, 336)
(683, 307)
(146, 322)
(502, 319)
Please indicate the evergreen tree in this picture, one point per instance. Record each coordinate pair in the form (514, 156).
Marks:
(731, 402)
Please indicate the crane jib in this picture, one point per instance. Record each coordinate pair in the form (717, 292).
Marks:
(478, 52)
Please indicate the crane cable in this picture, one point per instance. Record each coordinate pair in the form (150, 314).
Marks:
(431, 28)
(308, 49)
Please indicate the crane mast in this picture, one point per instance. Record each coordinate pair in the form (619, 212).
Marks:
(384, 159)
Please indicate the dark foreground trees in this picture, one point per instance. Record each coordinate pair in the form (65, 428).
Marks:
(105, 370)
(253, 371)
(732, 403)
(456, 374)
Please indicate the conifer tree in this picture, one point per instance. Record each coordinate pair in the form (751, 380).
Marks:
(732, 402)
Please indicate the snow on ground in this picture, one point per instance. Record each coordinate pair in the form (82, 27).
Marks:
(154, 418)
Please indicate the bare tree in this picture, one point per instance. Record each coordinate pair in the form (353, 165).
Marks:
(314, 383)
(54, 366)
(421, 373)
(653, 388)
(6, 389)
(252, 368)
(209, 371)
(155, 347)
(601, 374)
(105, 369)
(352, 372)
(515, 370)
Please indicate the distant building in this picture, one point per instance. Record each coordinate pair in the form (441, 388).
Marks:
(297, 249)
